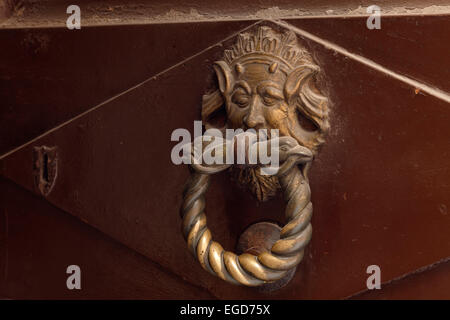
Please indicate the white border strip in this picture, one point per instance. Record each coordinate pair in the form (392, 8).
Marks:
(99, 21)
(154, 77)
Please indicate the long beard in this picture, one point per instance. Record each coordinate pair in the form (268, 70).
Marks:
(263, 187)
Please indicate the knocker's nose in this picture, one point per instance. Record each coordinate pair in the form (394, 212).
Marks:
(255, 116)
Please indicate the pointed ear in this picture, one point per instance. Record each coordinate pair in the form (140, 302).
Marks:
(224, 76)
(295, 79)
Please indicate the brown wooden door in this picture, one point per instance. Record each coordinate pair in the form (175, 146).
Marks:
(109, 96)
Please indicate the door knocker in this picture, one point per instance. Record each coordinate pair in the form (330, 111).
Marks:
(266, 80)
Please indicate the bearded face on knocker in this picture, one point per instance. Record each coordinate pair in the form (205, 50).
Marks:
(267, 81)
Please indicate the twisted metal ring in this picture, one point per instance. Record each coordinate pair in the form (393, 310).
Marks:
(248, 269)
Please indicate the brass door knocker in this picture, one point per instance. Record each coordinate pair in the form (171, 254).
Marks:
(265, 81)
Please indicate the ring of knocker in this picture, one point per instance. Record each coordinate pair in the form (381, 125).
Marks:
(270, 265)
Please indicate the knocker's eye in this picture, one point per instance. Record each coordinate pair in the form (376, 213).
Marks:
(269, 101)
(241, 99)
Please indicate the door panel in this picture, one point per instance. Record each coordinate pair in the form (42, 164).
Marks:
(83, 69)
(429, 283)
(407, 45)
(41, 241)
